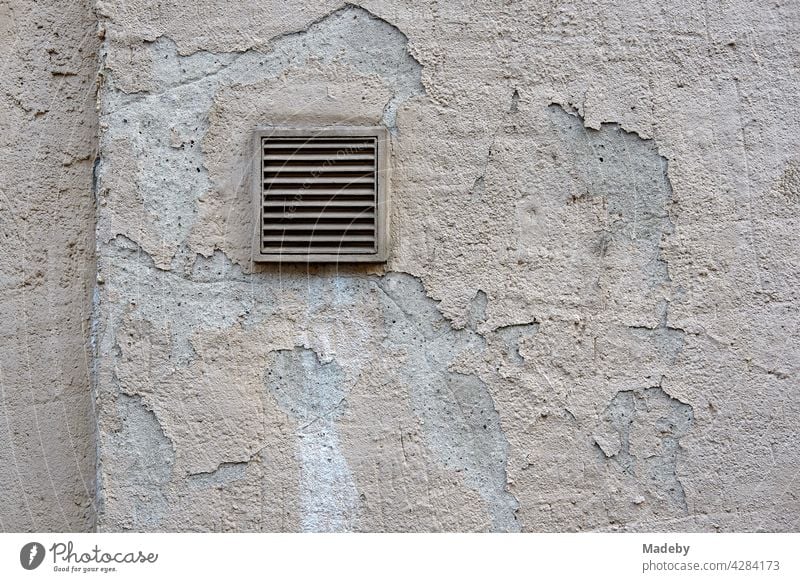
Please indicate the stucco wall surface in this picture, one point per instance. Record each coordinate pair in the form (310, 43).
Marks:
(48, 70)
(589, 320)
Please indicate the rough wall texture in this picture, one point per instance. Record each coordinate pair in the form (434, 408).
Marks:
(48, 131)
(590, 316)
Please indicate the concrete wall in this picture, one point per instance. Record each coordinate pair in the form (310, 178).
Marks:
(48, 126)
(589, 319)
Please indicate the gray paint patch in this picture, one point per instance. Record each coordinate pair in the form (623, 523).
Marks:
(313, 394)
(172, 296)
(477, 311)
(460, 421)
(462, 427)
(632, 179)
(640, 432)
(143, 458)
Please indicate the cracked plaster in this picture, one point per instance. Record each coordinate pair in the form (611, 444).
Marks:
(546, 277)
(588, 320)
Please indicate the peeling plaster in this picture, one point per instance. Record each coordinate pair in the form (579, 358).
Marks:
(157, 129)
(313, 393)
(556, 342)
(609, 286)
(146, 457)
(641, 432)
(632, 184)
(460, 420)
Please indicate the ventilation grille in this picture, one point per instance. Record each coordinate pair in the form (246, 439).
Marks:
(319, 195)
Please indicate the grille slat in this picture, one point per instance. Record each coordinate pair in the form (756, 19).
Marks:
(302, 156)
(303, 192)
(318, 201)
(344, 168)
(344, 147)
(318, 195)
(342, 142)
(270, 215)
(289, 204)
(318, 238)
(306, 249)
(312, 227)
(283, 179)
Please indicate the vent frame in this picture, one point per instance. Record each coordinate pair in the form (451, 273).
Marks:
(380, 251)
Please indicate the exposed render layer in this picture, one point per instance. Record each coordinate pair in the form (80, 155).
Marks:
(48, 68)
(589, 319)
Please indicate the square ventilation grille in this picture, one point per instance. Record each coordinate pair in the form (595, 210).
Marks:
(321, 195)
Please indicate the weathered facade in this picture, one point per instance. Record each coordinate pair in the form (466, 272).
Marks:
(48, 128)
(588, 319)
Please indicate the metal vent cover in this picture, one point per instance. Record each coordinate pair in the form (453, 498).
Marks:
(321, 194)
